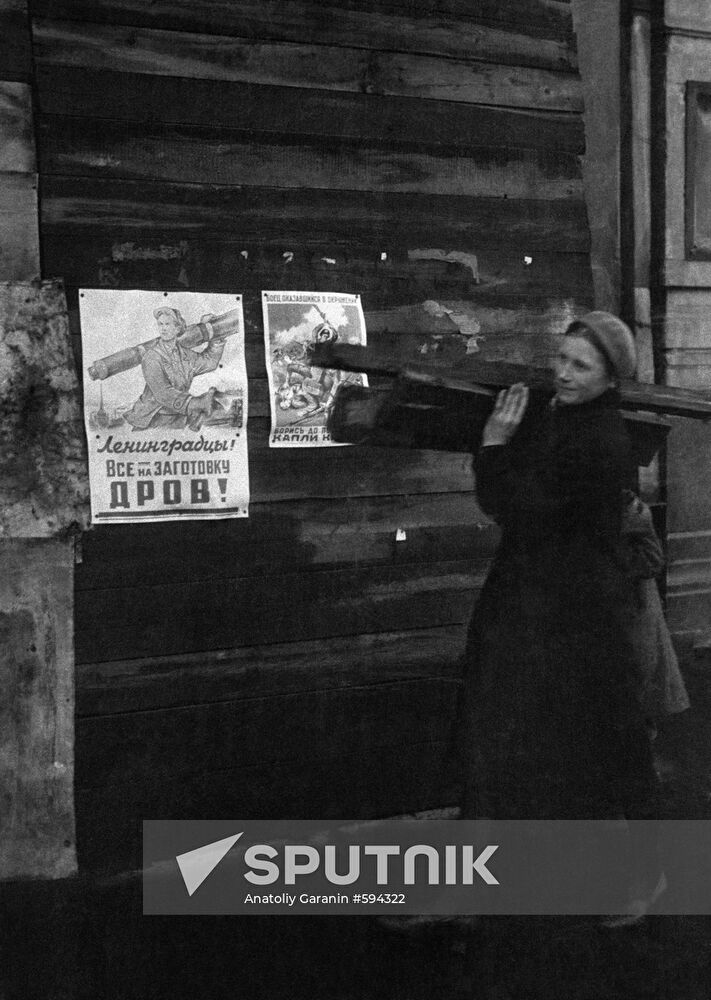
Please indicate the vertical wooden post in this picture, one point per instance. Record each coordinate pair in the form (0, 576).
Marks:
(42, 494)
(36, 709)
(600, 74)
(43, 502)
(19, 227)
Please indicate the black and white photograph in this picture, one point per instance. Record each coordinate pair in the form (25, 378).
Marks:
(355, 481)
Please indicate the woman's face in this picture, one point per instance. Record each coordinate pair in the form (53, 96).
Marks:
(168, 326)
(580, 372)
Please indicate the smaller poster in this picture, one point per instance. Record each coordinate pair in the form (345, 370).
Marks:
(301, 395)
(165, 405)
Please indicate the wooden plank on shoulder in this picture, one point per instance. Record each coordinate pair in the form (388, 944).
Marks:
(314, 114)
(426, 32)
(173, 53)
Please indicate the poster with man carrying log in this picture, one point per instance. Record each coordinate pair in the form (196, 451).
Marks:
(165, 405)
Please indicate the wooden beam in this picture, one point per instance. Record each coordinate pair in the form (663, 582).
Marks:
(196, 155)
(427, 31)
(179, 53)
(311, 218)
(120, 623)
(475, 374)
(36, 710)
(333, 116)
(275, 669)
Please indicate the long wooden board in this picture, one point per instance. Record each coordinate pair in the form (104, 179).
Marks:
(312, 114)
(424, 31)
(312, 218)
(136, 685)
(37, 710)
(118, 624)
(180, 53)
(474, 373)
(373, 781)
(302, 534)
(180, 154)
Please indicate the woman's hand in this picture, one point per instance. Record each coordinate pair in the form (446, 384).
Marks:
(507, 415)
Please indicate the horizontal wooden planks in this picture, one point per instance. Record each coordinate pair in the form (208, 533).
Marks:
(423, 32)
(310, 218)
(304, 534)
(268, 110)
(372, 782)
(146, 746)
(291, 64)
(220, 263)
(504, 278)
(182, 154)
(275, 669)
(542, 19)
(405, 150)
(189, 616)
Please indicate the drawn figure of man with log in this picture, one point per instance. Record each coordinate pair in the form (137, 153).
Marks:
(169, 369)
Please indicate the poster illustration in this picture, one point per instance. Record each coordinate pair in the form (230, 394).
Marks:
(300, 394)
(165, 405)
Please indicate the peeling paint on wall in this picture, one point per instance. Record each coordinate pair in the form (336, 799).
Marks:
(455, 256)
(465, 319)
(133, 251)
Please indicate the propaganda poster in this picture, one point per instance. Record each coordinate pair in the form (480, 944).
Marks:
(165, 405)
(301, 394)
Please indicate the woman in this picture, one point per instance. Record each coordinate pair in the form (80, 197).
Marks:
(552, 728)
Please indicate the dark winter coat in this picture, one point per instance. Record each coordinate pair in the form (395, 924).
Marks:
(551, 727)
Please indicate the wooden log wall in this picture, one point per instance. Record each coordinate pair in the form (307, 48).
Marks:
(424, 154)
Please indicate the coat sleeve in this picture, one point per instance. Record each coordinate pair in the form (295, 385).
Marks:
(577, 487)
(494, 477)
(591, 475)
